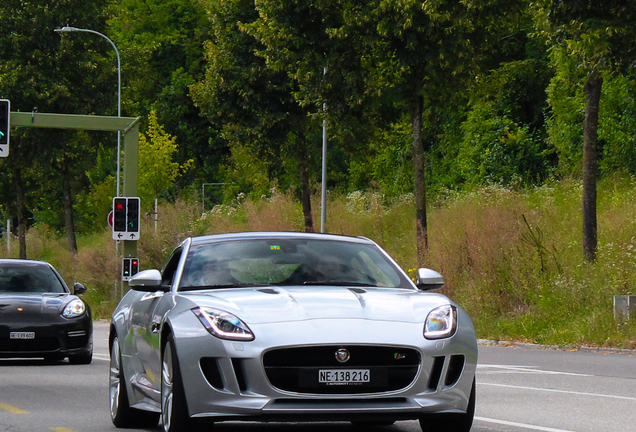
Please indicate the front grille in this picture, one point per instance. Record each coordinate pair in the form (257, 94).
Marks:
(29, 345)
(297, 369)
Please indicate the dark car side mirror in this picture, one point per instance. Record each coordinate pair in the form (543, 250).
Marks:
(78, 288)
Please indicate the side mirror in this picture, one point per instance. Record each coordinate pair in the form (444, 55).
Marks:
(428, 279)
(147, 281)
(78, 288)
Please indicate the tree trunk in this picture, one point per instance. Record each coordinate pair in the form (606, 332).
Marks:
(69, 224)
(419, 180)
(305, 195)
(590, 137)
(22, 222)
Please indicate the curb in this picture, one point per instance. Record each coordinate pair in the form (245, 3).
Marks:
(556, 347)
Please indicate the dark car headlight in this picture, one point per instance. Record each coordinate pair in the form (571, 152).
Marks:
(223, 324)
(74, 308)
(441, 322)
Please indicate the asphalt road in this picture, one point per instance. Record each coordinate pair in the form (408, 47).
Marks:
(518, 389)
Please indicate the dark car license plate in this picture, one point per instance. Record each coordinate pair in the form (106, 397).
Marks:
(22, 335)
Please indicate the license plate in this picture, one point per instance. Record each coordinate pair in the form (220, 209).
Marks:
(343, 376)
(22, 335)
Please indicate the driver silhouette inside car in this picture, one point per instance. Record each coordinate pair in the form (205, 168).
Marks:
(25, 283)
(214, 273)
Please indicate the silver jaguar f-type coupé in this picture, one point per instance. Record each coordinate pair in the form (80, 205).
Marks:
(289, 327)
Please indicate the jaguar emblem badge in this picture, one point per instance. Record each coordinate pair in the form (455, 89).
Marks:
(343, 355)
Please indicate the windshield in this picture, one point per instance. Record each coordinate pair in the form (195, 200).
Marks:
(29, 278)
(282, 262)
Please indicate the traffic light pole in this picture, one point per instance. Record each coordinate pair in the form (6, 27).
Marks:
(129, 127)
(131, 158)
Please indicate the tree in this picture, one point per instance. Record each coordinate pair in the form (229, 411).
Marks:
(417, 55)
(41, 71)
(254, 104)
(588, 39)
(157, 170)
(161, 43)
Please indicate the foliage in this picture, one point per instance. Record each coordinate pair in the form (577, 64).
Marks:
(387, 165)
(495, 149)
(243, 87)
(157, 170)
(584, 38)
(567, 103)
(161, 45)
(617, 130)
(245, 174)
(509, 257)
(44, 71)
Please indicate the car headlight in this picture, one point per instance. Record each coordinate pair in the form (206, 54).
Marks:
(223, 324)
(74, 308)
(441, 322)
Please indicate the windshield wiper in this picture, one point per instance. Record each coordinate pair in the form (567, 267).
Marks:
(339, 283)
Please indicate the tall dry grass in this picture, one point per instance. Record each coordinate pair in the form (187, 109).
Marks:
(513, 259)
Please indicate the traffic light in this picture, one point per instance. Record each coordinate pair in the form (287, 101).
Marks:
(129, 268)
(132, 215)
(126, 218)
(5, 122)
(134, 266)
(125, 268)
(119, 214)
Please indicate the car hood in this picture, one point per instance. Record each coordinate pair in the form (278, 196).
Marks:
(287, 304)
(33, 303)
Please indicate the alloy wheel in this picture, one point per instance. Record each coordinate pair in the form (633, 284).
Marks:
(167, 387)
(115, 378)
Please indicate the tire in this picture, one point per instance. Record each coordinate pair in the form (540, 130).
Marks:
(452, 422)
(174, 408)
(121, 414)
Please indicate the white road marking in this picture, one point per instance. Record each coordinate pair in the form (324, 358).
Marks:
(559, 391)
(520, 425)
(105, 357)
(524, 369)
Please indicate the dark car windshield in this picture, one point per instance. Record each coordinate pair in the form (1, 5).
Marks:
(29, 278)
(280, 262)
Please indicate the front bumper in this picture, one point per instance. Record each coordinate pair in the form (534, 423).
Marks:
(238, 388)
(55, 337)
